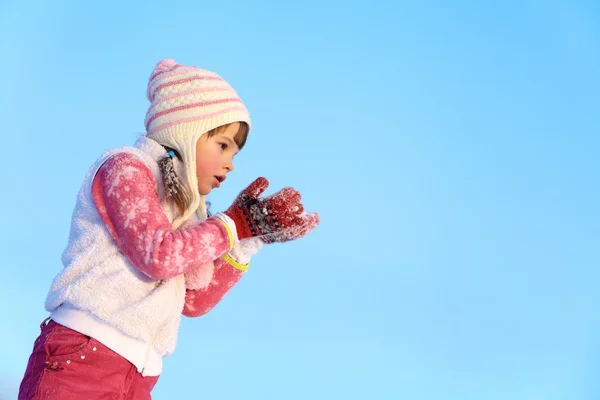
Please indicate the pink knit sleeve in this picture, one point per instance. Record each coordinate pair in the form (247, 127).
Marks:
(200, 302)
(125, 193)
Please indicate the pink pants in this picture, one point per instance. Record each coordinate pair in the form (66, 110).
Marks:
(67, 365)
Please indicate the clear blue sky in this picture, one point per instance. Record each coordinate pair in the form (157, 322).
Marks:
(451, 148)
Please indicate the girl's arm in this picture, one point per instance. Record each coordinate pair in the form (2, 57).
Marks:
(208, 283)
(227, 273)
(125, 193)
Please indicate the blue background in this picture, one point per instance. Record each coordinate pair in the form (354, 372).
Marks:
(451, 149)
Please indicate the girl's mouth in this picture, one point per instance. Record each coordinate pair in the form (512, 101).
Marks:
(219, 179)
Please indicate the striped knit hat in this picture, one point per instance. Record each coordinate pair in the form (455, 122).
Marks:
(187, 102)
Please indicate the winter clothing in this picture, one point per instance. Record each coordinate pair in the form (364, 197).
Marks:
(124, 281)
(68, 365)
(276, 218)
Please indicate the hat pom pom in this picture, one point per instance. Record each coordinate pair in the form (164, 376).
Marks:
(165, 65)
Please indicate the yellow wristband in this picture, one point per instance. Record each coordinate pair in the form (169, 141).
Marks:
(236, 264)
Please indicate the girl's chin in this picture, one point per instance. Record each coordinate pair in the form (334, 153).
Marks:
(204, 190)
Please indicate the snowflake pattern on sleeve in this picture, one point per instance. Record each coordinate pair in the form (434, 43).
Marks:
(125, 193)
(200, 302)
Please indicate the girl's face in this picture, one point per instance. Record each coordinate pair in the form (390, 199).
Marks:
(214, 158)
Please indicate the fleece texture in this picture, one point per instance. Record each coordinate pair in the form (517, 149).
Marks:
(127, 267)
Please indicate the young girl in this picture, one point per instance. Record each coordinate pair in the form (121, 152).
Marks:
(142, 249)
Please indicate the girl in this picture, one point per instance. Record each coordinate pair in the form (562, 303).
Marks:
(142, 249)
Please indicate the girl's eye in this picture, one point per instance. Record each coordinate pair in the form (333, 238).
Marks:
(223, 146)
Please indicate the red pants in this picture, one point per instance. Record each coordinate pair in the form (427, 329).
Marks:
(67, 365)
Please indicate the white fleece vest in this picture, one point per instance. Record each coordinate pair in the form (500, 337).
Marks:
(98, 279)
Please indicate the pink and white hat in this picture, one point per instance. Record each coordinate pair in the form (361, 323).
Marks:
(185, 103)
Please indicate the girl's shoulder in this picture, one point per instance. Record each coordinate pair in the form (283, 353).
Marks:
(125, 165)
(141, 156)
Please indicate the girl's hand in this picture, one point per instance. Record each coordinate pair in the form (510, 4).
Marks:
(276, 218)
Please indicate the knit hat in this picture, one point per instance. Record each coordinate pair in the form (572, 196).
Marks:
(187, 102)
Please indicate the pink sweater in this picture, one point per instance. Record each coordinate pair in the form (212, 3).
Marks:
(143, 232)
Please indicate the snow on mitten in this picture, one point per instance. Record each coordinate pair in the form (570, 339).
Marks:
(276, 218)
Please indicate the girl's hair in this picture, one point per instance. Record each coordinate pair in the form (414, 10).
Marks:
(175, 189)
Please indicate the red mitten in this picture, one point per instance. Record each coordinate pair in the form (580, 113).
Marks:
(276, 218)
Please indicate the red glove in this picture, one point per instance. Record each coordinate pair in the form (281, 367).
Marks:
(276, 218)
